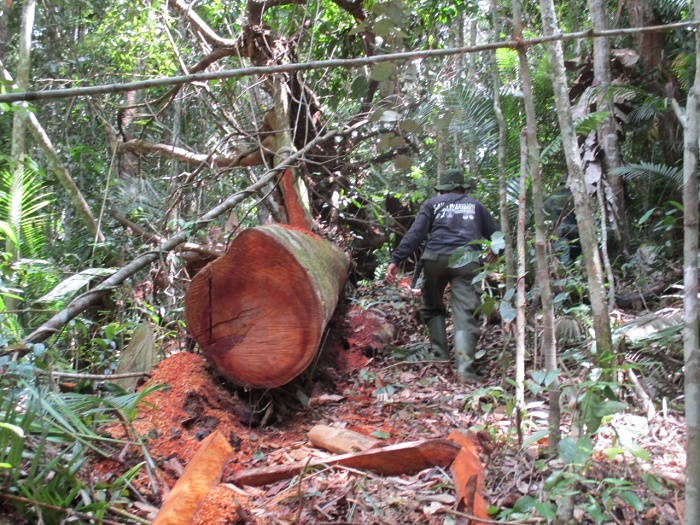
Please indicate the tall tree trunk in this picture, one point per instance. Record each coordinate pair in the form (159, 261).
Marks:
(607, 135)
(502, 142)
(549, 346)
(650, 46)
(520, 284)
(19, 126)
(690, 300)
(582, 205)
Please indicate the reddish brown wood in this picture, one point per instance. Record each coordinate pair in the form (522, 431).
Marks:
(259, 312)
(292, 204)
(394, 460)
(202, 473)
(468, 476)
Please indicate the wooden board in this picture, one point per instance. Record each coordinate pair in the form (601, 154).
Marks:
(393, 460)
(202, 472)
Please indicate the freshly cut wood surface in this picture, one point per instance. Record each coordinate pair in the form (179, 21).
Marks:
(340, 441)
(202, 473)
(259, 311)
(394, 460)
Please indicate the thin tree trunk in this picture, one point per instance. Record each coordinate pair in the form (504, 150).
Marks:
(59, 169)
(520, 285)
(607, 135)
(549, 345)
(583, 208)
(604, 243)
(690, 297)
(19, 121)
(502, 142)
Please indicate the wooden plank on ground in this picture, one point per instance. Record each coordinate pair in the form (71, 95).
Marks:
(393, 460)
(202, 472)
(339, 440)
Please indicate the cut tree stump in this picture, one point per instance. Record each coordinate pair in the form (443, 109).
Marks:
(259, 312)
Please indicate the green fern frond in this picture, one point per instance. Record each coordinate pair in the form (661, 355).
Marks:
(23, 205)
(590, 122)
(648, 172)
(683, 67)
(506, 60)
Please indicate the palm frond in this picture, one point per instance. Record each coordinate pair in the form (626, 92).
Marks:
(590, 122)
(506, 59)
(648, 172)
(22, 204)
(472, 114)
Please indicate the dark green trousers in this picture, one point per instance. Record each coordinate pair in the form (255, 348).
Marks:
(465, 296)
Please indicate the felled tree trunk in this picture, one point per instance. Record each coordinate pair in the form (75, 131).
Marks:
(259, 311)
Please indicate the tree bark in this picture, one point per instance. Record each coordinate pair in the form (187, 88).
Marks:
(18, 129)
(549, 344)
(502, 142)
(691, 331)
(607, 135)
(582, 205)
(260, 311)
(520, 285)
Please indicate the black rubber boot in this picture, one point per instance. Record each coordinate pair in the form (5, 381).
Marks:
(465, 349)
(438, 338)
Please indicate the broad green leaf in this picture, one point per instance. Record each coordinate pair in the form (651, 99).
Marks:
(390, 115)
(383, 27)
(462, 257)
(644, 217)
(74, 283)
(443, 120)
(508, 313)
(538, 376)
(9, 232)
(547, 510)
(498, 242)
(139, 356)
(637, 451)
(632, 499)
(575, 452)
(358, 88)
(524, 504)
(380, 434)
(534, 437)
(607, 408)
(383, 71)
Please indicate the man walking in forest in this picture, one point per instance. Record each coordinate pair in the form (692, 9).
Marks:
(449, 221)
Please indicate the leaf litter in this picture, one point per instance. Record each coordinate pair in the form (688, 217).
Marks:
(368, 380)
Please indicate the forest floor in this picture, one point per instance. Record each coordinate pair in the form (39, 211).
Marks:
(371, 379)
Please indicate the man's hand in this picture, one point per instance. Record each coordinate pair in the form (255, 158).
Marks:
(391, 271)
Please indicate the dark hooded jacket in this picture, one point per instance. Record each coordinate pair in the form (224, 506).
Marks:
(452, 220)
